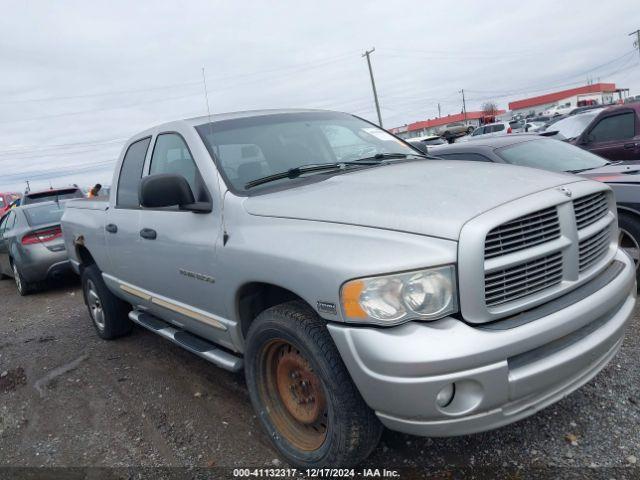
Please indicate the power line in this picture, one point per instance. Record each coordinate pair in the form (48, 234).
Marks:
(96, 110)
(99, 94)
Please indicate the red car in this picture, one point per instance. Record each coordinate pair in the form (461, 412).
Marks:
(5, 201)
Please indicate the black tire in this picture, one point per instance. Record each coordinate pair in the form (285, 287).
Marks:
(629, 226)
(108, 313)
(470, 130)
(351, 429)
(23, 286)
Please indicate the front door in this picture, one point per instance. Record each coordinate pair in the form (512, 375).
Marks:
(178, 249)
(614, 136)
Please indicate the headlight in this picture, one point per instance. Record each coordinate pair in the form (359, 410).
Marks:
(391, 299)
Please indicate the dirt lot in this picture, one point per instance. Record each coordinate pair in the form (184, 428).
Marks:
(68, 398)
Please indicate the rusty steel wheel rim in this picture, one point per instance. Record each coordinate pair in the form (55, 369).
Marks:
(294, 396)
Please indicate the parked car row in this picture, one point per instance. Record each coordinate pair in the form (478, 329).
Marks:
(358, 282)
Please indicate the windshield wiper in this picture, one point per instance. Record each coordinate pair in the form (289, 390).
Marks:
(385, 156)
(297, 171)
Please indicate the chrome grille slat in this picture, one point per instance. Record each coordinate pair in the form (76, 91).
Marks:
(551, 215)
(522, 233)
(552, 223)
(590, 209)
(551, 228)
(593, 249)
(533, 276)
(489, 292)
(591, 216)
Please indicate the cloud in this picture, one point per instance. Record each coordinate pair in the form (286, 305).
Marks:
(79, 77)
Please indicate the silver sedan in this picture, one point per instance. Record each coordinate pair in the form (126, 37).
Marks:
(31, 246)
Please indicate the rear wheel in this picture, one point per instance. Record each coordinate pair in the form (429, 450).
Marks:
(629, 237)
(24, 287)
(302, 392)
(108, 313)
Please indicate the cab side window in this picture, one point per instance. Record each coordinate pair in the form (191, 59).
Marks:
(131, 173)
(615, 127)
(171, 155)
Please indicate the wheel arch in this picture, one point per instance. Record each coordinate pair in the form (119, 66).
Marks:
(629, 210)
(83, 256)
(253, 298)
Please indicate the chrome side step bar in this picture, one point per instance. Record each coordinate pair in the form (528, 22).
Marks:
(186, 340)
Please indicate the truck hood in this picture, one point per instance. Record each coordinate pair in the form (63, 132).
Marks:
(430, 197)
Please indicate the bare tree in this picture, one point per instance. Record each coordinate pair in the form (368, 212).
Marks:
(490, 108)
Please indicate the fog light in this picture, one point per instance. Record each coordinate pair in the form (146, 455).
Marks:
(445, 396)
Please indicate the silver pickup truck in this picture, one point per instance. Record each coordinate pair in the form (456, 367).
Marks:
(357, 283)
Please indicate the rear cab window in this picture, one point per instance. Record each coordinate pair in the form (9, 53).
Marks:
(131, 173)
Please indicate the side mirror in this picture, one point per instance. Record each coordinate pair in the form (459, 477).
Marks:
(169, 190)
(586, 139)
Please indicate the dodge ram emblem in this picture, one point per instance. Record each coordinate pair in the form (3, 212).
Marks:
(566, 191)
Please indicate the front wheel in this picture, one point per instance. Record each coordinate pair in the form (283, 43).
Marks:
(302, 392)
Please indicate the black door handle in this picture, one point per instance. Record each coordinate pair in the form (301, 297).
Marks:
(629, 145)
(111, 228)
(148, 233)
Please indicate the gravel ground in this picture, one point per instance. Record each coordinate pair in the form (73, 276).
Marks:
(69, 399)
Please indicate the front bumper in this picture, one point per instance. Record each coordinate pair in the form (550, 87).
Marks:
(500, 375)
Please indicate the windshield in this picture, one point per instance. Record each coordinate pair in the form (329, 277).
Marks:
(251, 148)
(573, 126)
(550, 154)
(43, 214)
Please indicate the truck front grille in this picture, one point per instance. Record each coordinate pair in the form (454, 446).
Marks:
(590, 209)
(532, 254)
(593, 249)
(523, 279)
(522, 233)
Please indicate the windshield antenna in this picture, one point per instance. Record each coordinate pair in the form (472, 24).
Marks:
(225, 235)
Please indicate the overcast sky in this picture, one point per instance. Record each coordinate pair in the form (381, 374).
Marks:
(78, 78)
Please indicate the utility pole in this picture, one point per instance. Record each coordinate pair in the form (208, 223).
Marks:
(373, 83)
(636, 42)
(464, 106)
(439, 114)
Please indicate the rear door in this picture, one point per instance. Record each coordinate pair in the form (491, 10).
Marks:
(614, 136)
(122, 221)
(177, 249)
